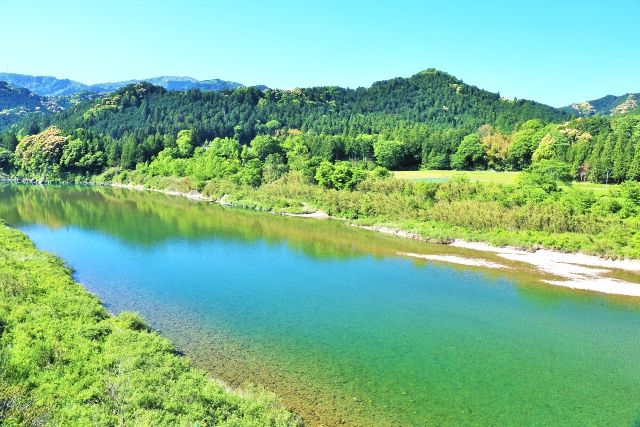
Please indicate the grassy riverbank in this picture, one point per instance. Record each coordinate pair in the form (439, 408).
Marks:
(65, 361)
(567, 219)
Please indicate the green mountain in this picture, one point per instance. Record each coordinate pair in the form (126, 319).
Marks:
(608, 105)
(51, 86)
(430, 98)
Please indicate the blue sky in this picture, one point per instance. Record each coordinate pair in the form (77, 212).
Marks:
(555, 52)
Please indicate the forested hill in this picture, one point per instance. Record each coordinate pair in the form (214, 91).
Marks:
(430, 98)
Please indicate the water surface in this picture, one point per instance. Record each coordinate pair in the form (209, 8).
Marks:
(335, 322)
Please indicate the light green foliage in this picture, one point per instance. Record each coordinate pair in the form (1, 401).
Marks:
(630, 190)
(220, 158)
(342, 175)
(65, 361)
(546, 149)
(470, 154)
(185, 143)
(79, 156)
(324, 174)
(264, 145)
(547, 175)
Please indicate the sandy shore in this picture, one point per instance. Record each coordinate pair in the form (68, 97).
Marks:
(192, 195)
(574, 270)
(316, 215)
(454, 259)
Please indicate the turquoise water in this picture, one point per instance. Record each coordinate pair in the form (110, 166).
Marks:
(338, 325)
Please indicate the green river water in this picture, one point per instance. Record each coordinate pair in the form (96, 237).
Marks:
(334, 321)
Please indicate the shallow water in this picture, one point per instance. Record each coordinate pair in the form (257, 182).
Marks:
(333, 321)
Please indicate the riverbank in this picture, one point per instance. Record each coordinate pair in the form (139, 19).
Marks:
(67, 361)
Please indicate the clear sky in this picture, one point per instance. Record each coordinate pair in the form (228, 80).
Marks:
(555, 52)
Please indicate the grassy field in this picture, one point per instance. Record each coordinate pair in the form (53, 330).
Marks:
(445, 175)
(486, 176)
(597, 188)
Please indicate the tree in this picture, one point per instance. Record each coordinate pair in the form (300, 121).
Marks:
(129, 156)
(185, 143)
(264, 145)
(324, 173)
(8, 141)
(388, 153)
(251, 173)
(275, 167)
(79, 156)
(546, 149)
(524, 143)
(496, 147)
(39, 155)
(547, 175)
(470, 154)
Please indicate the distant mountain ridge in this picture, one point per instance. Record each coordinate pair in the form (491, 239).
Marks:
(607, 105)
(171, 83)
(52, 86)
(16, 102)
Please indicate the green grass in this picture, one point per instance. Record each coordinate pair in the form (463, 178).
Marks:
(445, 175)
(599, 189)
(487, 177)
(65, 361)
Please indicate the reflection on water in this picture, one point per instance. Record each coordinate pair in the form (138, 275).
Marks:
(333, 321)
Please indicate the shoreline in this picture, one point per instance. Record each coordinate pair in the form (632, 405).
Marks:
(122, 339)
(578, 271)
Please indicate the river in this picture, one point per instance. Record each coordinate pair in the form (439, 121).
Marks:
(334, 321)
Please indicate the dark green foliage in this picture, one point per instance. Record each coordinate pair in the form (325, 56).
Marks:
(7, 162)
